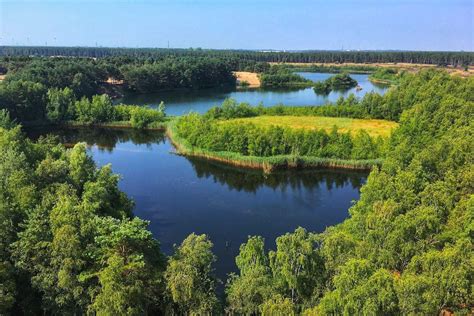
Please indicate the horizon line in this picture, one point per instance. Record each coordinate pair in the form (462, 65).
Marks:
(261, 50)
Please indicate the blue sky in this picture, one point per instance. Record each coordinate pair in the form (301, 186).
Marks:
(248, 24)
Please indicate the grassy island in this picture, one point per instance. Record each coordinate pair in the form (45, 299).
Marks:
(266, 163)
(242, 135)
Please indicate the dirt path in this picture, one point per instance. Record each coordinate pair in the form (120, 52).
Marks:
(250, 77)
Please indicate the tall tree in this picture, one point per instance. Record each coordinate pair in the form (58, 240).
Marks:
(131, 280)
(60, 106)
(249, 290)
(297, 266)
(189, 276)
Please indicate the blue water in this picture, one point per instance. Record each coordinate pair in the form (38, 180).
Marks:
(181, 102)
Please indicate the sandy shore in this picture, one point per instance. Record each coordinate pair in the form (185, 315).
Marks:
(250, 77)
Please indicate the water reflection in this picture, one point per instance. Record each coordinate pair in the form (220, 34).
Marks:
(251, 180)
(105, 139)
(240, 179)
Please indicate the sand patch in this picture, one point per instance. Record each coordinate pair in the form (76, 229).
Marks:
(250, 77)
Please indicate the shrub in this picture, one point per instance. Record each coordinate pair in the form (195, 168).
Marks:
(141, 117)
(231, 109)
(99, 110)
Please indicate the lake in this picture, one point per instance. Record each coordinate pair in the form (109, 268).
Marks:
(179, 195)
(181, 102)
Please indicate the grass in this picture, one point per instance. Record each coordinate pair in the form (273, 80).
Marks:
(373, 127)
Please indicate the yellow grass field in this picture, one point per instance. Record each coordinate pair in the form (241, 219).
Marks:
(373, 127)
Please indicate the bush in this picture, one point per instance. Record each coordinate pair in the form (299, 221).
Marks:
(5, 121)
(141, 117)
(60, 106)
(322, 87)
(99, 110)
(342, 82)
(231, 109)
(122, 112)
(385, 74)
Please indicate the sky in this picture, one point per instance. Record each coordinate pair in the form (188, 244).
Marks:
(242, 24)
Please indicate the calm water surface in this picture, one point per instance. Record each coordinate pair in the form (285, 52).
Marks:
(179, 195)
(181, 102)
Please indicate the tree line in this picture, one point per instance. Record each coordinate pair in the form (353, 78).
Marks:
(87, 76)
(282, 76)
(169, 74)
(423, 57)
(31, 103)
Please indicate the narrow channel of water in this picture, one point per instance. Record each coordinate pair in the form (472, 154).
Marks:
(181, 102)
(179, 195)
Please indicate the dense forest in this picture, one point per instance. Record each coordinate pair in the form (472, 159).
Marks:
(31, 103)
(437, 58)
(70, 243)
(171, 74)
(86, 76)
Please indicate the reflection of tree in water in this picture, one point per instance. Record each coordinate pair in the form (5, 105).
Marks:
(251, 180)
(103, 138)
(235, 178)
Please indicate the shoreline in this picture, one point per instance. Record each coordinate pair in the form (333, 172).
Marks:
(382, 81)
(410, 67)
(266, 164)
